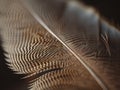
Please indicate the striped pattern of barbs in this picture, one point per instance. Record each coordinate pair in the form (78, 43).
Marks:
(31, 50)
(29, 44)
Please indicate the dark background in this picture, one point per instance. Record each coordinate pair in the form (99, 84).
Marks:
(109, 9)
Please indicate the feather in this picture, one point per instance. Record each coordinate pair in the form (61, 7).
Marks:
(33, 51)
(60, 44)
(93, 41)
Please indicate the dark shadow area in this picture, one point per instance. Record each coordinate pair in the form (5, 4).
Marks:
(9, 80)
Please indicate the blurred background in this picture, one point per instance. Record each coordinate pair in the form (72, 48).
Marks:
(108, 9)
